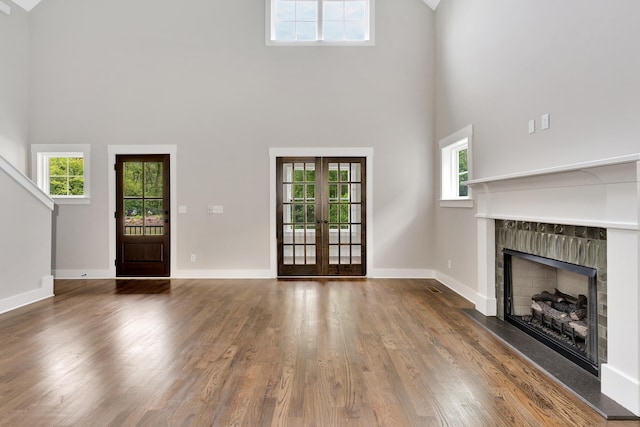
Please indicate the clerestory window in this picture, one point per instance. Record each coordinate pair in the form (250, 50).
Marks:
(319, 22)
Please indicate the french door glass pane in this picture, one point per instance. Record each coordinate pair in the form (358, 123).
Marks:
(299, 213)
(288, 254)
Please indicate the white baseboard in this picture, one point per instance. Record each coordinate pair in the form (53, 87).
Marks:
(486, 306)
(223, 274)
(620, 387)
(393, 273)
(82, 274)
(16, 301)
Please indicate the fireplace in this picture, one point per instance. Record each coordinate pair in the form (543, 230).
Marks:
(555, 302)
(585, 214)
(535, 258)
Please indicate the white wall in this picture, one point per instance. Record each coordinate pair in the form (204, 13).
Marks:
(14, 72)
(25, 249)
(501, 63)
(197, 74)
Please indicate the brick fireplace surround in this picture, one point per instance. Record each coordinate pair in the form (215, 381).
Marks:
(603, 194)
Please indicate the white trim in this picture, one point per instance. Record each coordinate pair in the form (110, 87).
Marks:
(623, 388)
(40, 173)
(449, 147)
(27, 4)
(26, 183)
(399, 273)
(16, 301)
(456, 203)
(83, 274)
(172, 151)
(483, 304)
(275, 152)
(225, 274)
(5, 8)
(433, 4)
(574, 167)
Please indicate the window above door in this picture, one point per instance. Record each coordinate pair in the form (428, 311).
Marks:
(320, 22)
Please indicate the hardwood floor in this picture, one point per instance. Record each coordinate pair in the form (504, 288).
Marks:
(267, 352)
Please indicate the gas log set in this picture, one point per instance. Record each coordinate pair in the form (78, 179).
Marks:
(560, 315)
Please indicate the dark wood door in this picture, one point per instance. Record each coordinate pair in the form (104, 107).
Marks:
(321, 226)
(142, 215)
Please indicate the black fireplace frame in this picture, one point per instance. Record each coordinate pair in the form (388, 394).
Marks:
(587, 360)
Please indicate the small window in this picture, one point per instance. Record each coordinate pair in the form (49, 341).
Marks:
(62, 171)
(319, 22)
(455, 165)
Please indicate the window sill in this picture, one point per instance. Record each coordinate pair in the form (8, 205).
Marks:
(72, 200)
(320, 43)
(456, 203)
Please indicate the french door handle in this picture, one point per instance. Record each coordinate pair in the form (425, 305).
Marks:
(322, 222)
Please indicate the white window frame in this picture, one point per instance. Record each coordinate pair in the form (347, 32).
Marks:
(40, 155)
(449, 176)
(270, 29)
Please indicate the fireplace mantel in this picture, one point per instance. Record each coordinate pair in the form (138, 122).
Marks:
(603, 193)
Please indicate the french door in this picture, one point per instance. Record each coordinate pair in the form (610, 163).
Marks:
(142, 215)
(321, 211)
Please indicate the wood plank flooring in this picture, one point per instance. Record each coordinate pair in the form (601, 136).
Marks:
(267, 352)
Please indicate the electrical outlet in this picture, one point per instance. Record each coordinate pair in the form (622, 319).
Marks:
(193, 257)
(449, 264)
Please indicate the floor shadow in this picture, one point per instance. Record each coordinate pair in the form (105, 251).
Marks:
(143, 286)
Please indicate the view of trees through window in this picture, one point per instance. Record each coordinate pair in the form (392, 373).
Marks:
(463, 173)
(143, 197)
(304, 190)
(66, 176)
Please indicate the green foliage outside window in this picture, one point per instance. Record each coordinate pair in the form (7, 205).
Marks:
(304, 192)
(463, 173)
(66, 176)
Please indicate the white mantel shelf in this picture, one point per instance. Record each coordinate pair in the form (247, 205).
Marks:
(602, 193)
(575, 167)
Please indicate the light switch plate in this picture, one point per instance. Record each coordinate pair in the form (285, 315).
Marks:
(532, 126)
(545, 122)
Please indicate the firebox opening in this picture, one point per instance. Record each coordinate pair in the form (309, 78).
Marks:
(555, 302)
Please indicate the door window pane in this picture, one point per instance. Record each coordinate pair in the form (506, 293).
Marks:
(153, 182)
(133, 217)
(311, 254)
(356, 214)
(287, 172)
(356, 169)
(132, 179)
(288, 254)
(153, 217)
(356, 231)
(356, 196)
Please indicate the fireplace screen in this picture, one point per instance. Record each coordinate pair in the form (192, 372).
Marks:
(552, 306)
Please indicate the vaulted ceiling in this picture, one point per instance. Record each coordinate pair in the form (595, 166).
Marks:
(30, 4)
(26, 4)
